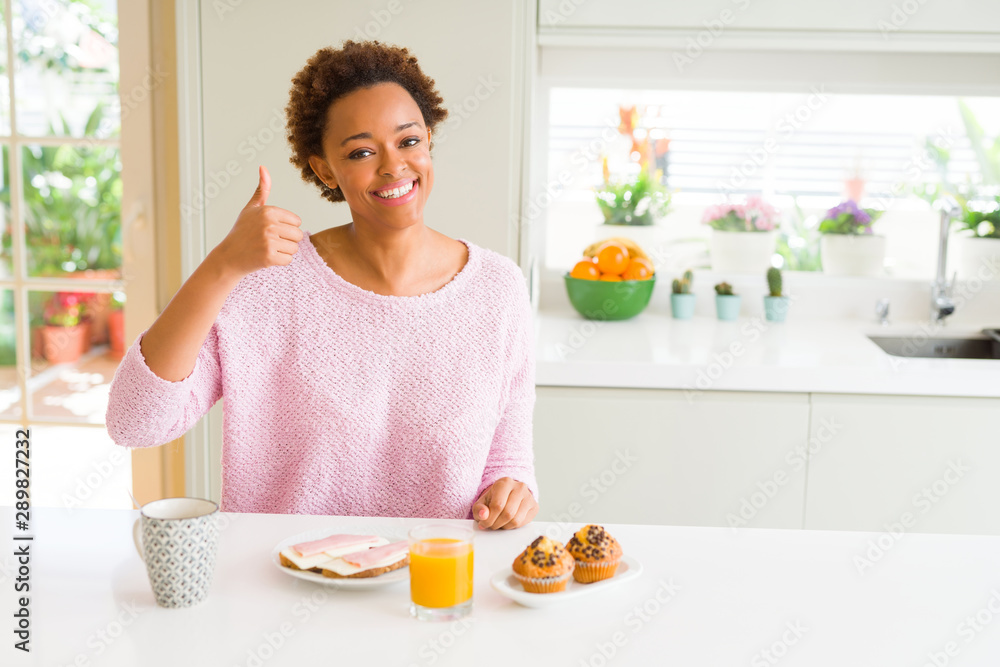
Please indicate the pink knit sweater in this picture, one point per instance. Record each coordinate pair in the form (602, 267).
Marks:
(341, 401)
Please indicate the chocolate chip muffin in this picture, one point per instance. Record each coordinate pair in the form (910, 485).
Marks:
(544, 566)
(596, 554)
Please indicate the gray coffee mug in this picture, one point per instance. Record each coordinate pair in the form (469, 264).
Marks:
(178, 542)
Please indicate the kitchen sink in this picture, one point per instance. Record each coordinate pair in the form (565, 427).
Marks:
(953, 347)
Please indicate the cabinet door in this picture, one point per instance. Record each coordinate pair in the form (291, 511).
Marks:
(654, 456)
(725, 17)
(905, 464)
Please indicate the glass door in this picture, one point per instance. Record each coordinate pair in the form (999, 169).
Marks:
(61, 292)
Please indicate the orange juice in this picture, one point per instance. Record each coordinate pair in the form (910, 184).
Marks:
(440, 572)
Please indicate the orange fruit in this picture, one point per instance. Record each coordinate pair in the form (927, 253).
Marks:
(610, 277)
(645, 262)
(637, 270)
(613, 258)
(585, 269)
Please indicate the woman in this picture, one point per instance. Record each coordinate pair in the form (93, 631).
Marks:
(379, 368)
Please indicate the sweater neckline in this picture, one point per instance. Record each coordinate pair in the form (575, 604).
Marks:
(457, 283)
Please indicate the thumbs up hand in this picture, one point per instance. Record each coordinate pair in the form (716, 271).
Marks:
(263, 235)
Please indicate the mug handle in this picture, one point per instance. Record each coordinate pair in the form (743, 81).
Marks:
(137, 538)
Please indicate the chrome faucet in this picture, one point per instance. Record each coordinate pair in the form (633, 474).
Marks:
(942, 304)
(882, 311)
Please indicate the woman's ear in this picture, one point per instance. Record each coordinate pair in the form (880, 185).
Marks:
(322, 170)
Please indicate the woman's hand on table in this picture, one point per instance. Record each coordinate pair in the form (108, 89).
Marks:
(506, 504)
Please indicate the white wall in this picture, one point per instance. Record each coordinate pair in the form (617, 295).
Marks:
(249, 55)
(240, 58)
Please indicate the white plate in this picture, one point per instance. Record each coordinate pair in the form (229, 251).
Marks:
(505, 583)
(387, 579)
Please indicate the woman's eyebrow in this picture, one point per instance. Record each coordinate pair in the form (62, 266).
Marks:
(368, 135)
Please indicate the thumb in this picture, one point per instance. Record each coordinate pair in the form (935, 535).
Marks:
(263, 189)
(481, 509)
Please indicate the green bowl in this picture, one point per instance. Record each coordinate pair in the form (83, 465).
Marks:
(604, 300)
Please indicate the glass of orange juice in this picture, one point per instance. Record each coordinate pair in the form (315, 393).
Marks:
(441, 572)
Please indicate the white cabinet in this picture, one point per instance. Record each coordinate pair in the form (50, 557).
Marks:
(653, 456)
(929, 464)
(890, 464)
(720, 16)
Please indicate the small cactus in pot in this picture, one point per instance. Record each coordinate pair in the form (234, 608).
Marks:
(774, 281)
(727, 304)
(682, 285)
(776, 303)
(681, 298)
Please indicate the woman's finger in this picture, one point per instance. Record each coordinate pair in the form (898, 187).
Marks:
(287, 247)
(291, 233)
(509, 511)
(498, 495)
(480, 508)
(525, 512)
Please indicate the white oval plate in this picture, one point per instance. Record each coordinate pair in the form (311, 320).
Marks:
(387, 579)
(505, 583)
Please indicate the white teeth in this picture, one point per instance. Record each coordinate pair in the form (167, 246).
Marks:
(398, 192)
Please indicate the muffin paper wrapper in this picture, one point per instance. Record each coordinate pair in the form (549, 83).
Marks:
(587, 573)
(543, 584)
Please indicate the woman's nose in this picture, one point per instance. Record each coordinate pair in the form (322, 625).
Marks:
(392, 163)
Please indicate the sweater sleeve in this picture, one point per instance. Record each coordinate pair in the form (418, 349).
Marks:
(511, 453)
(145, 409)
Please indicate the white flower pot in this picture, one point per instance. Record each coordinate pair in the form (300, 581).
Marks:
(852, 254)
(742, 252)
(651, 238)
(978, 258)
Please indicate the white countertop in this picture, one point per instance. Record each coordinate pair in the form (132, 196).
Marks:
(655, 351)
(739, 592)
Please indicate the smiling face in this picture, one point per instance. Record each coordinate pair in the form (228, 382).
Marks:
(375, 137)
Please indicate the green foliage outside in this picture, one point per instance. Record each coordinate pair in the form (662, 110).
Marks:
(72, 194)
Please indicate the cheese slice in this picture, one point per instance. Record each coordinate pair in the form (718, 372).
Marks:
(305, 562)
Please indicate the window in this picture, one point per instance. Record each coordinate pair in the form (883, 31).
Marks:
(804, 152)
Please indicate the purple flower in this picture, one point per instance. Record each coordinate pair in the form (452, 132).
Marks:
(851, 208)
(846, 218)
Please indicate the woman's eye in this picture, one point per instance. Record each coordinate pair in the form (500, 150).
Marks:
(415, 141)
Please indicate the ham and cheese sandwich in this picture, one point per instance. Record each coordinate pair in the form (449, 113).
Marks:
(311, 555)
(368, 562)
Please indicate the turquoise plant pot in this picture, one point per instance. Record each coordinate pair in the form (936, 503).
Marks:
(682, 306)
(727, 306)
(775, 308)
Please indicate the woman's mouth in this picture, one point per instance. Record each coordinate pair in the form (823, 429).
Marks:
(399, 195)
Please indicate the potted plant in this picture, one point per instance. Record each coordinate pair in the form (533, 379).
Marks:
(979, 243)
(632, 208)
(116, 325)
(848, 247)
(743, 235)
(727, 304)
(776, 303)
(681, 298)
(65, 334)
